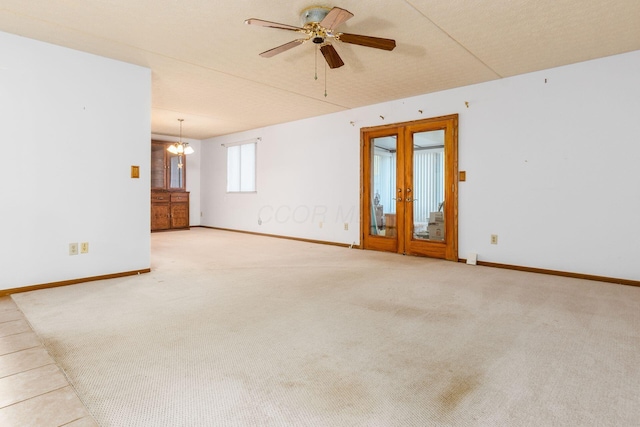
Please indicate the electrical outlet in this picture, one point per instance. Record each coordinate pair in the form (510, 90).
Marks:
(346, 226)
(84, 247)
(73, 249)
(494, 239)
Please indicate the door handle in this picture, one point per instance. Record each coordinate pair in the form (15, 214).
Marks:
(399, 194)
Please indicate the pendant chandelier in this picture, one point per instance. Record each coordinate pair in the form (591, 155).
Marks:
(180, 147)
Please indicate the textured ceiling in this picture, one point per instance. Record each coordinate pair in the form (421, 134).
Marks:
(206, 69)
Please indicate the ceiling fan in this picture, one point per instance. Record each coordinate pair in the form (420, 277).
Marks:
(318, 25)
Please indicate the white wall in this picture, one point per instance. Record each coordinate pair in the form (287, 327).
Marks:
(193, 175)
(307, 172)
(73, 124)
(551, 160)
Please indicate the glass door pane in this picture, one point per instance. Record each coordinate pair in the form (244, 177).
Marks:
(427, 194)
(158, 170)
(383, 154)
(176, 172)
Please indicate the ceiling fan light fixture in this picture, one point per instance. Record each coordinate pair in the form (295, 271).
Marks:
(319, 25)
(313, 14)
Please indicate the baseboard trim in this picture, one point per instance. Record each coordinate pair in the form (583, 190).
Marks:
(5, 292)
(277, 236)
(558, 273)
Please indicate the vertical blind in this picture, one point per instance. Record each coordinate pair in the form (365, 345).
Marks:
(384, 180)
(428, 181)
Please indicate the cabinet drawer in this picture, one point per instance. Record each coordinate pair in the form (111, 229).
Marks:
(179, 197)
(160, 197)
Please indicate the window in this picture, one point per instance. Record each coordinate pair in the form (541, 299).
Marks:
(241, 168)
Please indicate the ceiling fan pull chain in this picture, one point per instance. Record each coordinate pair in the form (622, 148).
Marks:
(316, 68)
(325, 79)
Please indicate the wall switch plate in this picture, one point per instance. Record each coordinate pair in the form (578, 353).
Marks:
(73, 249)
(84, 247)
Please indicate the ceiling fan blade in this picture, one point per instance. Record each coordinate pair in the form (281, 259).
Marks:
(276, 50)
(262, 23)
(368, 41)
(331, 56)
(335, 17)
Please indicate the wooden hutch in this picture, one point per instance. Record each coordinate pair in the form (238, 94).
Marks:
(169, 198)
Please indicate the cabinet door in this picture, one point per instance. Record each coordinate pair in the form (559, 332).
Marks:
(179, 215)
(158, 166)
(168, 171)
(175, 168)
(160, 216)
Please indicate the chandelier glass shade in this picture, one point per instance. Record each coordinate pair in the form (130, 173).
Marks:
(180, 147)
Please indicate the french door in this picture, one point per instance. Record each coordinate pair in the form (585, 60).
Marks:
(409, 188)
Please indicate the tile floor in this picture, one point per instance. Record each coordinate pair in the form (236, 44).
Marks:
(33, 390)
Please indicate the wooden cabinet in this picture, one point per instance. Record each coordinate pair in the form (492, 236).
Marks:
(169, 210)
(169, 200)
(160, 211)
(179, 210)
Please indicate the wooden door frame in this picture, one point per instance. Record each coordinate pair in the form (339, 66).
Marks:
(447, 250)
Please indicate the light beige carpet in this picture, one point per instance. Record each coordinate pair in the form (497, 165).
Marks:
(231, 329)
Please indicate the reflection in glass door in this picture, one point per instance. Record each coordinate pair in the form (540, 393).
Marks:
(383, 184)
(428, 186)
(409, 195)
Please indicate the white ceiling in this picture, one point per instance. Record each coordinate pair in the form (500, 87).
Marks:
(206, 69)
